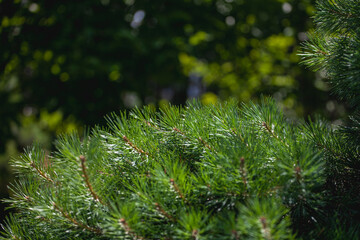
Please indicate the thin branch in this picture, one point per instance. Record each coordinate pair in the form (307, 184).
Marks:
(239, 135)
(347, 15)
(15, 237)
(322, 52)
(265, 229)
(268, 129)
(27, 198)
(176, 187)
(235, 234)
(78, 224)
(199, 139)
(41, 173)
(151, 125)
(324, 147)
(104, 173)
(195, 234)
(87, 181)
(128, 230)
(134, 146)
(177, 130)
(243, 171)
(205, 144)
(271, 191)
(298, 173)
(163, 212)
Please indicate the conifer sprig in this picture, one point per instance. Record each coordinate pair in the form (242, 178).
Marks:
(205, 172)
(183, 186)
(334, 48)
(87, 180)
(74, 221)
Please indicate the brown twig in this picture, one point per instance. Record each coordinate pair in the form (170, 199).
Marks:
(134, 146)
(239, 135)
(235, 234)
(205, 144)
(243, 171)
(151, 125)
(87, 181)
(268, 129)
(195, 233)
(41, 173)
(348, 15)
(177, 130)
(271, 191)
(199, 139)
(176, 187)
(15, 237)
(163, 212)
(324, 147)
(322, 52)
(128, 230)
(78, 224)
(265, 229)
(298, 173)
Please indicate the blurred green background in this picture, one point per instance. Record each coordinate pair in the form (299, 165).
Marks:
(65, 64)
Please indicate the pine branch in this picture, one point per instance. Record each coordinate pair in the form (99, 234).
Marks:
(233, 130)
(195, 234)
(152, 196)
(235, 235)
(87, 180)
(164, 213)
(265, 229)
(183, 134)
(151, 125)
(41, 173)
(298, 173)
(205, 144)
(134, 146)
(338, 13)
(202, 141)
(268, 129)
(75, 222)
(243, 172)
(178, 191)
(128, 230)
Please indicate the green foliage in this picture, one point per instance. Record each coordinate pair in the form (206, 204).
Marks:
(237, 173)
(204, 172)
(334, 47)
(82, 60)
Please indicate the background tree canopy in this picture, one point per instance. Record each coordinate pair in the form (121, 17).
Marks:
(68, 63)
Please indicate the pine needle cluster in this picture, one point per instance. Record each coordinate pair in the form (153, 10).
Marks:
(215, 172)
(334, 47)
(205, 172)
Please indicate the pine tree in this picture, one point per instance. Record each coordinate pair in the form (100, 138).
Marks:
(205, 172)
(334, 48)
